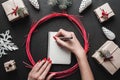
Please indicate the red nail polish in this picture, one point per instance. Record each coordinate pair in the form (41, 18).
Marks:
(39, 61)
(44, 59)
(48, 59)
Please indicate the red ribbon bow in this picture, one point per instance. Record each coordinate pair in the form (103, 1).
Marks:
(104, 14)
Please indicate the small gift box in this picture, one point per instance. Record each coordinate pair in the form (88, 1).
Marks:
(15, 9)
(10, 66)
(104, 12)
(108, 56)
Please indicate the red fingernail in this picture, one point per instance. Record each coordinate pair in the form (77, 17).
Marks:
(48, 59)
(44, 59)
(54, 37)
(39, 61)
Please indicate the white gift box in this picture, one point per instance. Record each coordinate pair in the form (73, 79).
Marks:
(111, 65)
(107, 9)
(12, 9)
(10, 66)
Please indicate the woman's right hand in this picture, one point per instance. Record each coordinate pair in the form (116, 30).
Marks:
(73, 44)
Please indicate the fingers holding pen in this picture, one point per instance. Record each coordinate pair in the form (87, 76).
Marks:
(61, 32)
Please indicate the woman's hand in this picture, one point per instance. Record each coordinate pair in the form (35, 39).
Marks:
(40, 70)
(73, 44)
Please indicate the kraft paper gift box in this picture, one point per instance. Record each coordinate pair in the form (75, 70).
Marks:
(10, 65)
(15, 9)
(113, 64)
(104, 12)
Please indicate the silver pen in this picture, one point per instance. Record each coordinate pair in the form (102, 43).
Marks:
(66, 38)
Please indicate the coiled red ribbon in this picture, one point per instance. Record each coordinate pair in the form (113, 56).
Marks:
(73, 19)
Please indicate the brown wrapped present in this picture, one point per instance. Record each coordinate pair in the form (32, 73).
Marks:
(104, 12)
(10, 66)
(15, 9)
(107, 55)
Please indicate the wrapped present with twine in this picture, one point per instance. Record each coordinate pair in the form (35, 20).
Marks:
(108, 56)
(104, 12)
(15, 9)
(10, 66)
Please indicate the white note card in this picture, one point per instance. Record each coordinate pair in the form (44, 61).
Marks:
(57, 54)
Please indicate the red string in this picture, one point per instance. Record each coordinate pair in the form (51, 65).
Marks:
(15, 10)
(73, 19)
(104, 14)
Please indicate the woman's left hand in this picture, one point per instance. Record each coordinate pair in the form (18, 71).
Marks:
(40, 70)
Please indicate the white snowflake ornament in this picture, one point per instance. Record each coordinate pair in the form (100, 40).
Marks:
(108, 33)
(35, 4)
(6, 44)
(84, 4)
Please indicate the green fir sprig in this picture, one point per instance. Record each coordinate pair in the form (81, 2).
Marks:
(20, 12)
(62, 4)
